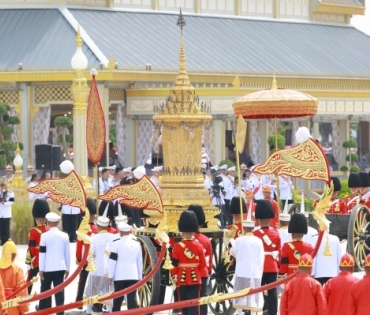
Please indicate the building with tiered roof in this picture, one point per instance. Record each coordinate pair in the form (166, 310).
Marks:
(233, 47)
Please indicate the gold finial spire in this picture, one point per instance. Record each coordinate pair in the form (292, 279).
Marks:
(17, 149)
(274, 84)
(78, 37)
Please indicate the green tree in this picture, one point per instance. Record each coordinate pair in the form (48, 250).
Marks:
(350, 144)
(7, 147)
(64, 138)
(280, 142)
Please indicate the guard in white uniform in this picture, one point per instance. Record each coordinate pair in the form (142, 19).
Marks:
(284, 219)
(54, 260)
(309, 237)
(250, 256)
(154, 178)
(125, 266)
(327, 260)
(98, 283)
(70, 217)
(6, 202)
(30, 171)
(286, 187)
(228, 188)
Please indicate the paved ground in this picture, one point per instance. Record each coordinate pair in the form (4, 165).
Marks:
(70, 293)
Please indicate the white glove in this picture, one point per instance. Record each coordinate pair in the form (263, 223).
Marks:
(208, 280)
(28, 266)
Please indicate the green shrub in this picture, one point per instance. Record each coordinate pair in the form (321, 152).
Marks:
(280, 141)
(308, 202)
(354, 169)
(344, 191)
(22, 220)
(229, 163)
(350, 143)
(344, 168)
(352, 157)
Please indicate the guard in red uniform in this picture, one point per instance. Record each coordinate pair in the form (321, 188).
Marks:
(365, 184)
(337, 205)
(303, 294)
(354, 183)
(205, 241)
(359, 301)
(271, 244)
(292, 251)
(188, 260)
(274, 222)
(234, 209)
(91, 205)
(39, 210)
(336, 289)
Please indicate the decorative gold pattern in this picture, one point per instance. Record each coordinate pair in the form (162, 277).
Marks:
(116, 95)
(305, 160)
(222, 297)
(15, 302)
(95, 125)
(140, 195)
(68, 190)
(9, 97)
(323, 206)
(45, 94)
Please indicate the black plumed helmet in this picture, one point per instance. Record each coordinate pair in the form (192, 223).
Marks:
(40, 208)
(298, 224)
(264, 209)
(336, 183)
(91, 205)
(188, 222)
(354, 180)
(198, 210)
(235, 206)
(365, 180)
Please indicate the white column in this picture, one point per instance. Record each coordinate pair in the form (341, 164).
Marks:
(219, 140)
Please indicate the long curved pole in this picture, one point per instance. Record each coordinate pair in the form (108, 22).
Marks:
(62, 308)
(26, 285)
(61, 286)
(223, 297)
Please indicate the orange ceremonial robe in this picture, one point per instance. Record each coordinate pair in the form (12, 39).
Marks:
(2, 294)
(12, 280)
(336, 293)
(303, 295)
(359, 300)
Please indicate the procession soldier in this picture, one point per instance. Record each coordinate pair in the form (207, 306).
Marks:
(272, 245)
(91, 206)
(292, 251)
(365, 184)
(235, 212)
(249, 254)
(188, 260)
(337, 205)
(12, 277)
(303, 295)
(125, 266)
(39, 210)
(205, 241)
(154, 179)
(336, 289)
(359, 302)
(8, 177)
(284, 219)
(274, 222)
(107, 209)
(327, 259)
(98, 283)
(354, 183)
(54, 260)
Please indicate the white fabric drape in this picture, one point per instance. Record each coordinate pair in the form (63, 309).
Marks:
(255, 142)
(271, 127)
(121, 134)
(295, 126)
(336, 140)
(209, 143)
(15, 135)
(41, 126)
(143, 146)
